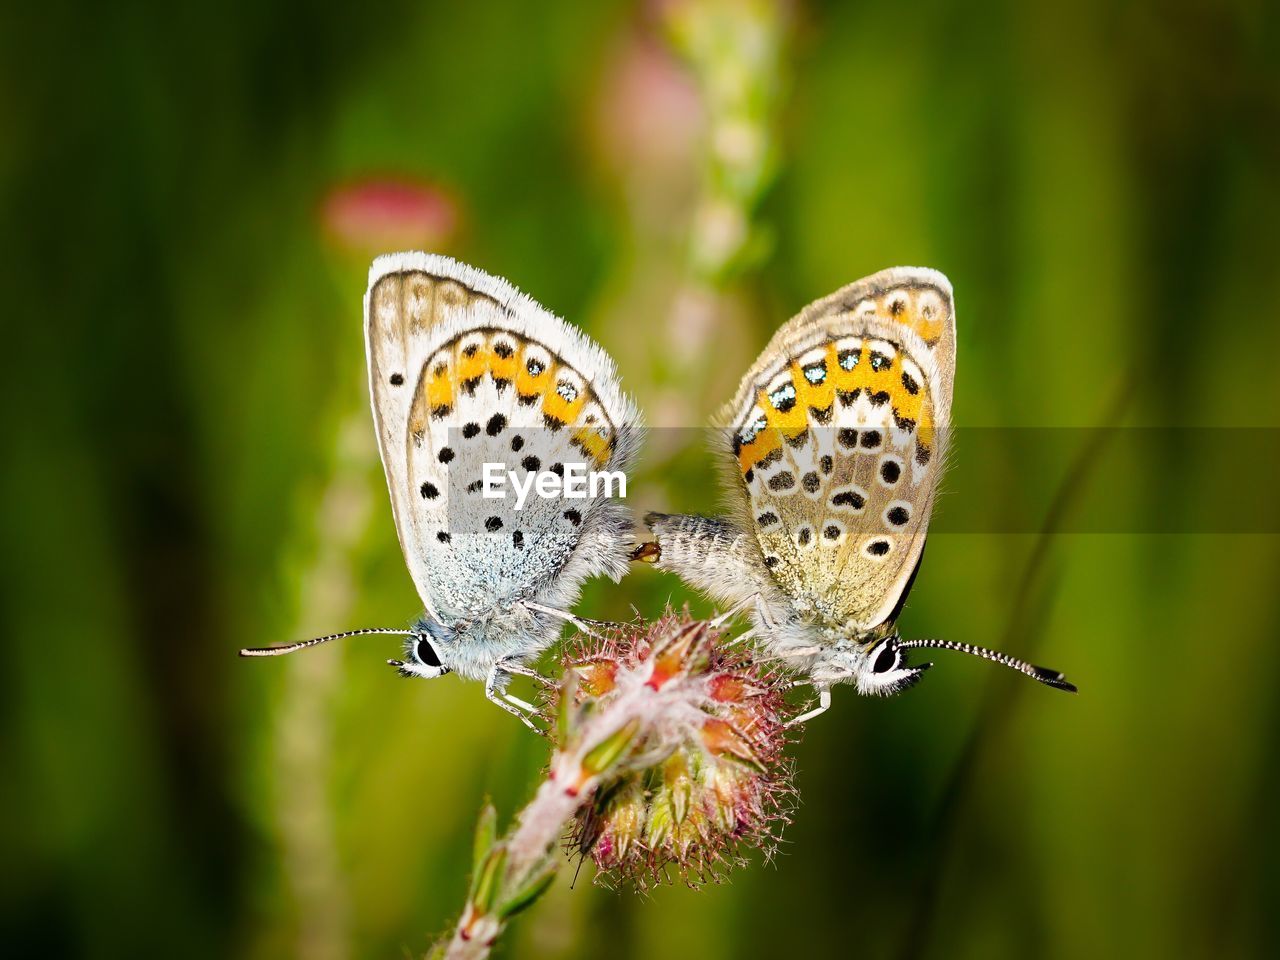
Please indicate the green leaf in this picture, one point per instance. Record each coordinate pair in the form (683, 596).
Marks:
(606, 753)
(529, 891)
(486, 830)
(484, 888)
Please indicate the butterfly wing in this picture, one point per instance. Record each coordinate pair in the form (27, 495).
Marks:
(465, 371)
(837, 436)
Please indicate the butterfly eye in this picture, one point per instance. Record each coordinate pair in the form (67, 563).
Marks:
(886, 660)
(426, 653)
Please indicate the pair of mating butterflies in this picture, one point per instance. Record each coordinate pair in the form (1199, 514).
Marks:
(836, 440)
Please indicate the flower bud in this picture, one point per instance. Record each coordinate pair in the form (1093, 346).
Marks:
(706, 781)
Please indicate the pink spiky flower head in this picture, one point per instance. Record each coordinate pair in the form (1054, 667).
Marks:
(708, 779)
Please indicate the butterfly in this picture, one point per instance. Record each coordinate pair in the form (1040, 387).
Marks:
(835, 444)
(477, 393)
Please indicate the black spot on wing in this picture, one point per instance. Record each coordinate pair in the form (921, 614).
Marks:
(849, 498)
(769, 459)
(782, 480)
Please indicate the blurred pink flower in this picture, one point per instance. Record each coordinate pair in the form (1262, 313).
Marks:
(649, 115)
(378, 215)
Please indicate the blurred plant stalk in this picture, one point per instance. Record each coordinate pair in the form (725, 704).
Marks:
(303, 756)
(688, 122)
(668, 753)
(360, 219)
(736, 50)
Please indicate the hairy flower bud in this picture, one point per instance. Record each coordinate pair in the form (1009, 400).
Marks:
(707, 780)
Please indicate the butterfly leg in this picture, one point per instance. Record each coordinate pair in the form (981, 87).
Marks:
(762, 614)
(799, 652)
(735, 610)
(824, 704)
(513, 705)
(583, 625)
(765, 621)
(520, 670)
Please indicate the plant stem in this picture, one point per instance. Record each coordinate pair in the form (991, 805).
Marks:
(570, 786)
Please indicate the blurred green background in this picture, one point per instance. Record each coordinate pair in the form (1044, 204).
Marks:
(190, 197)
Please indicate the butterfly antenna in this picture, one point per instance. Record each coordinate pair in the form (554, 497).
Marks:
(284, 648)
(1051, 678)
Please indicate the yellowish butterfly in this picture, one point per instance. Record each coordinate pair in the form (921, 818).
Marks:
(835, 442)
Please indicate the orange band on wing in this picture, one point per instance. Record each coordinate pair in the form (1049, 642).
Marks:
(440, 390)
(503, 368)
(528, 384)
(910, 409)
(558, 408)
(473, 363)
(594, 442)
(821, 395)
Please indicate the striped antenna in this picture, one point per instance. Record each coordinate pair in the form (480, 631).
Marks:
(1051, 678)
(284, 648)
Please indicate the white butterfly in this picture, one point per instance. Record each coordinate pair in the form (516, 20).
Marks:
(836, 442)
(465, 371)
